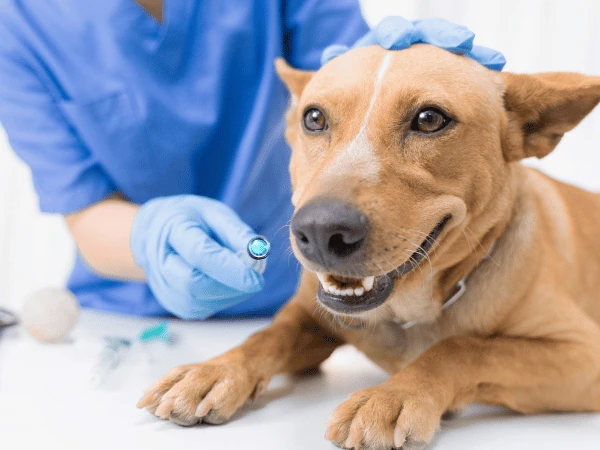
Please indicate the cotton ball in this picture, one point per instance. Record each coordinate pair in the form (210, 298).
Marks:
(50, 314)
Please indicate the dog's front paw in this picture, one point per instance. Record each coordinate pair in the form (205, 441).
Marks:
(208, 392)
(384, 417)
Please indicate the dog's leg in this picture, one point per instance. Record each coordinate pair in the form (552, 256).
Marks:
(212, 391)
(527, 375)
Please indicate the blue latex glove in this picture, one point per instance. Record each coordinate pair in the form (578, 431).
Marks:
(397, 33)
(186, 245)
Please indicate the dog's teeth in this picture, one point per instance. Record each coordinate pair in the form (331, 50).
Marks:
(327, 287)
(333, 289)
(321, 277)
(368, 283)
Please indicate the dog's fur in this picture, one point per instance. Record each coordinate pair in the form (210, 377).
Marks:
(526, 333)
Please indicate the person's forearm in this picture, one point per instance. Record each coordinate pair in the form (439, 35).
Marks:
(102, 233)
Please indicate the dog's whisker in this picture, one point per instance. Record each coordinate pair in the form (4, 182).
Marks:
(496, 263)
(471, 247)
(288, 224)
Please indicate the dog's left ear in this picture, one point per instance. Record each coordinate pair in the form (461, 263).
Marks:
(542, 108)
(295, 80)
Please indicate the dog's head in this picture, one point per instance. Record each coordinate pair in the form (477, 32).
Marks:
(402, 166)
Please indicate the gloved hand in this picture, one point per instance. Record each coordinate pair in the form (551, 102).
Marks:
(397, 33)
(186, 245)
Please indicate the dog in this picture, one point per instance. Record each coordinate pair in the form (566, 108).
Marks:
(427, 245)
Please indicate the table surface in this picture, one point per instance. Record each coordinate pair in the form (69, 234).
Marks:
(46, 400)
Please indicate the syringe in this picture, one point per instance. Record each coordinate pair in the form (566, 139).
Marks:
(109, 358)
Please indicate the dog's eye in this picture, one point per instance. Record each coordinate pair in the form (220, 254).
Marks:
(314, 120)
(430, 120)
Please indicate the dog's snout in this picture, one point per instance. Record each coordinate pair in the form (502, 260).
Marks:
(330, 232)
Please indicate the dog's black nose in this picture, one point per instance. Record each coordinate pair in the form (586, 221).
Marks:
(330, 232)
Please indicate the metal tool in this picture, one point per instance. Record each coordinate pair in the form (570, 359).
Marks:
(7, 319)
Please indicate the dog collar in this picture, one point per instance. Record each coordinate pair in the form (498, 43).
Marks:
(459, 292)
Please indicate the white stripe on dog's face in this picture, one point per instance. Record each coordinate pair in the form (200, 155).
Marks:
(360, 152)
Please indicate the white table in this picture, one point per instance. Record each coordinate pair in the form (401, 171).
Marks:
(46, 402)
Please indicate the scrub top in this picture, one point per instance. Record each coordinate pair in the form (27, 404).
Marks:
(97, 97)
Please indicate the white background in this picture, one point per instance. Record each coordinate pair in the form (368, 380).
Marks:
(46, 401)
(534, 35)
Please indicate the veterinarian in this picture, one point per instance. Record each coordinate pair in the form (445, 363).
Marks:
(156, 130)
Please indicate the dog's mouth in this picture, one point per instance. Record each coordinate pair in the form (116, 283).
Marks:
(348, 295)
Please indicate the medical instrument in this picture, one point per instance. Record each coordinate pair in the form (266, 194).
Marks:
(116, 349)
(184, 244)
(110, 357)
(7, 319)
(157, 332)
(256, 252)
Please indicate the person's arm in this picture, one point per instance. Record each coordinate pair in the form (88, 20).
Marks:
(184, 245)
(102, 234)
(66, 176)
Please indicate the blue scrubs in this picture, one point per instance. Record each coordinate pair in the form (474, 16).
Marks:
(97, 97)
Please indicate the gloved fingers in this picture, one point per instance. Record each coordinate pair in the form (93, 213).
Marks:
(397, 33)
(180, 276)
(492, 59)
(368, 39)
(332, 51)
(203, 253)
(205, 309)
(168, 286)
(443, 34)
(226, 227)
(188, 294)
(394, 33)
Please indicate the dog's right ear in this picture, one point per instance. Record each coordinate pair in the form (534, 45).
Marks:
(295, 80)
(542, 108)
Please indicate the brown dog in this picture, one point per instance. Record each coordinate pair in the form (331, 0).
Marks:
(407, 182)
